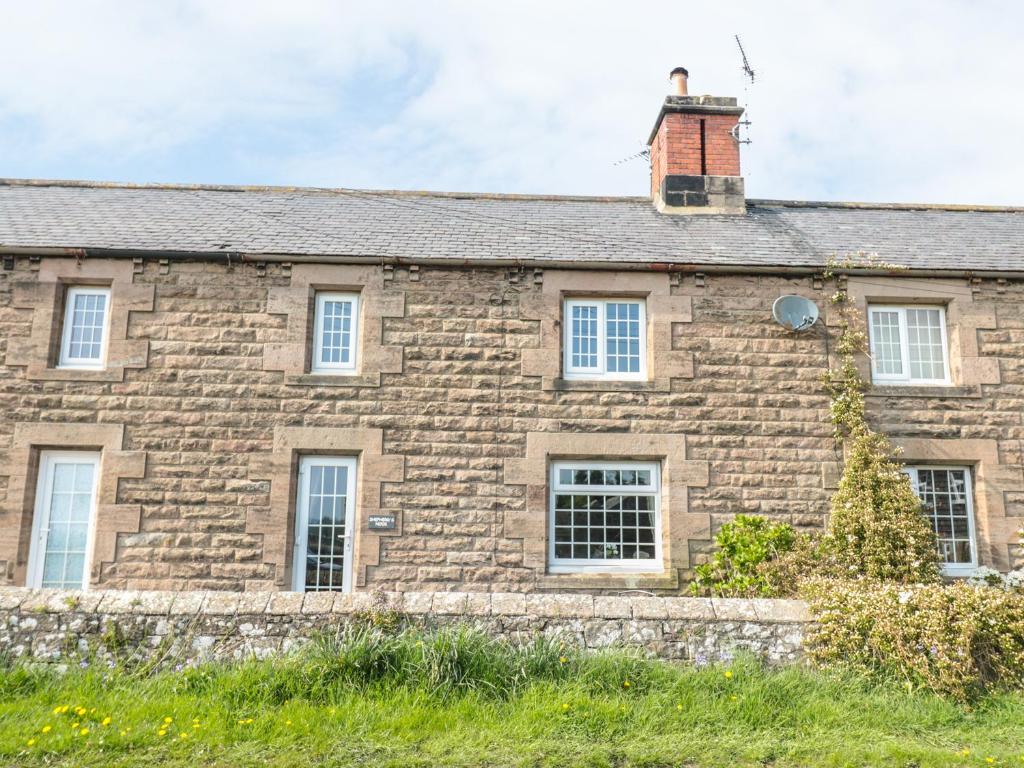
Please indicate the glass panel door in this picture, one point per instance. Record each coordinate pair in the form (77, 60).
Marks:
(324, 529)
(65, 506)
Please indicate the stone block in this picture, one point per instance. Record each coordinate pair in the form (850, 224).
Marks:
(733, 609)
(449, 603)
(508, 604)
(560, 605)
(649, 608)
(689, 608)
(782, 611)
(221, 604)
(318, 602)
(612, 607)
(285, 603)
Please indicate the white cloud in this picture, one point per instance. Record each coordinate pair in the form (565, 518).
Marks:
(870, 100)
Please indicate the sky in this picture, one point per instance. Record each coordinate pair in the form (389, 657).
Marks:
(873, 101)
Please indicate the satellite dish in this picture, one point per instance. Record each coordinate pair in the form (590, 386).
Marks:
(795, 312)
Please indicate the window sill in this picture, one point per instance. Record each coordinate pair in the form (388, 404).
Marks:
(929, 390)
(606, 580)
(75, 374)
(334, 380)
(610, 385)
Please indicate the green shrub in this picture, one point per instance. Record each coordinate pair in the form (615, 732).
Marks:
(744, 546)
(954, 639)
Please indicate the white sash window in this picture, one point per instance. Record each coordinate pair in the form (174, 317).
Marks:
(908, 344)
(605, 339)
(336, 333)
(84, 338)
(605, 516)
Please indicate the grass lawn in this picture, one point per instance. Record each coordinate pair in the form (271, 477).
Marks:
(461, 700)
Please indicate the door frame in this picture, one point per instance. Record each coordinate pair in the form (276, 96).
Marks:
(300, 551)
(44, 496)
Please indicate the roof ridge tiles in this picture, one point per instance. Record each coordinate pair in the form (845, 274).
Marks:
(504, 196)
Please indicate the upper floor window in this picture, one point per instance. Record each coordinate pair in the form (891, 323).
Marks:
(84, 337)
(945, 494)
(908, 344)
(336, 333)
(605, 516)
(605, 339)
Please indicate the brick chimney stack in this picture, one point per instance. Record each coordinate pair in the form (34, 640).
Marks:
(695, 157)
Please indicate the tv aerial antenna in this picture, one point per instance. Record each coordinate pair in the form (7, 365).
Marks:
(748, 74)
(747, 69)
(644, 153)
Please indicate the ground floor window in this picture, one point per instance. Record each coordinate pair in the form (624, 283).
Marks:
(324, 516)
(946, 495)
(605, 516)
(63, 521)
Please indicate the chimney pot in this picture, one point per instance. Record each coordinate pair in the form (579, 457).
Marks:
(678, 76)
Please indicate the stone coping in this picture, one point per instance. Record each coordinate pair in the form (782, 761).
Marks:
(470, 604)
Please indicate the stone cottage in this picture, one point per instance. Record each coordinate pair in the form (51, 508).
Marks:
(240, 388)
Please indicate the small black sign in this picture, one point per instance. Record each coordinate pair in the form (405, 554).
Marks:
(382, 522)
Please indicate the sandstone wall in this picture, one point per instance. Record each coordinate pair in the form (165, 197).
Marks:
(61, 626)
(203, 411)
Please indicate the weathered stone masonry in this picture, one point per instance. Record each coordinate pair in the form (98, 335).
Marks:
(62, 626)
(200, 504)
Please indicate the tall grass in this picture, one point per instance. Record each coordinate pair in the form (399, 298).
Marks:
(455, 696)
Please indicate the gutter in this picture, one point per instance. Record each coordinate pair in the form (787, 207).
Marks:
(631, 266)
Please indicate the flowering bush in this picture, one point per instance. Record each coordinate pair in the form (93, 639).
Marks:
(744, 545)
(955, 639)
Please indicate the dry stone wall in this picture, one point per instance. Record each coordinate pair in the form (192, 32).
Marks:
(204, 410)
(180, 628)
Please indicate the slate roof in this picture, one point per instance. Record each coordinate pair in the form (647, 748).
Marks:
(447, 227)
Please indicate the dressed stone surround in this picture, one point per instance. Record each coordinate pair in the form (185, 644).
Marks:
(59, 625)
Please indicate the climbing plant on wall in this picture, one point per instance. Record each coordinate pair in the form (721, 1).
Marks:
(876, 526)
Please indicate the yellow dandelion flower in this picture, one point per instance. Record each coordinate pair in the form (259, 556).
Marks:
(183, 735)
(990, 760)
(107, 720)
(679, 707)
(123, 733)
(728, 674)
(732, 698)
(562, 659)
(47, 728)
(92, 711)
(80, 711)
(168, 720)
(75, 725)
(84, 732)
(625, 683)
(565, 706)
(30, 742)
(161, 732)
(57, 710)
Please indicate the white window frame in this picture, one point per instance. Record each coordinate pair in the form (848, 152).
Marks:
(48, 461)
(301, 547)
(339, 368)
(905, 378)
(571, 372)
(954, 569)
(583, 565)
(86, 363)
